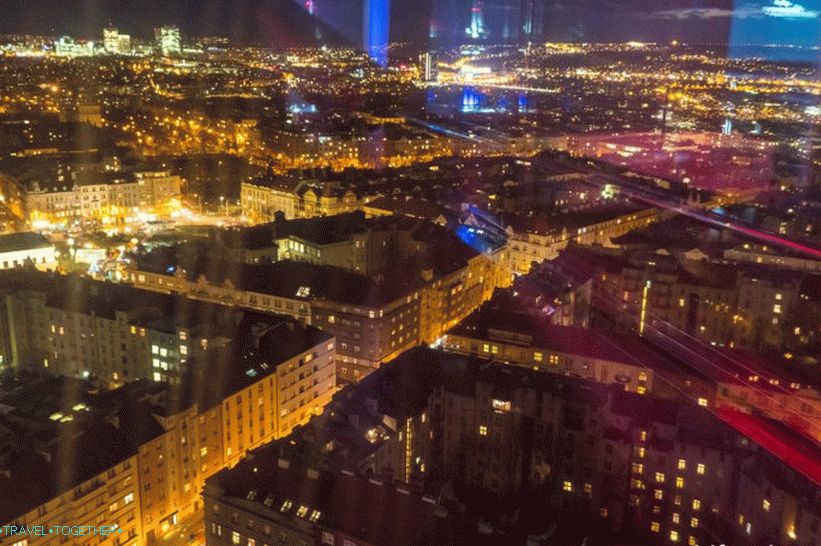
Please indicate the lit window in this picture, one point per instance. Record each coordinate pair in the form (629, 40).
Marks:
(314, 516)
(567, 486)
(682, 464)
(777, 308)
(702, 402)
(538, 357)
(286, 506)
(693, 522)
(302, 510)
(234, 537)
(680, 482)
(674, 536)
(696, 505)
(676, 517)
(252, 542)
(588, 488)
(486, 347)
(501, 406)
(658, 494)
(128, 499)
(765, 504)
(701, 469)
(655, 527)
(660, 477)
(482, 430)
(638, 468)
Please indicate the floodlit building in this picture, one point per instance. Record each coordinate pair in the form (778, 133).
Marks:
(115, 43)
(168, 40)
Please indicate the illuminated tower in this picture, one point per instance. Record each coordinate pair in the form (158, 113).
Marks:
(476, 29)
(376, 30)
(310, 7)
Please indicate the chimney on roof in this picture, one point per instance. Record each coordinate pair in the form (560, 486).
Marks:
(279, 218)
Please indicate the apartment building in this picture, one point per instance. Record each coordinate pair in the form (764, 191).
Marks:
(147, 447)
(435, 281)
(110, 198)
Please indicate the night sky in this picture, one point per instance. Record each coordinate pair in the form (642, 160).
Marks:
(285, 22)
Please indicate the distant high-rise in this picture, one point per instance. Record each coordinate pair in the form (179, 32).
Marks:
(310, 7)
(116, 43)
(168, 40)
(69, 47)
(531, 16)
(430, 70)
(476, 29)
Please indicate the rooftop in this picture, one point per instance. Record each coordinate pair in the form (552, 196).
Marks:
(287, 489)
(27, 240)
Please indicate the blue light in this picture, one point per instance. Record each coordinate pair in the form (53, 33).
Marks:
(471, 100)
(376, 30)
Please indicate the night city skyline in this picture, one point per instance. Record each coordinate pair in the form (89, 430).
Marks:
(257, 21)
(393, 273)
